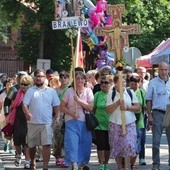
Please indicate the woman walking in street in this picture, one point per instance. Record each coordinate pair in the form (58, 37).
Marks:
(20, 122)
(101, 131)
(122, 146)
(78, 139)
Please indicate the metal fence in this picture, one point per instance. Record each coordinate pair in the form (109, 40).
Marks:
(10, 63)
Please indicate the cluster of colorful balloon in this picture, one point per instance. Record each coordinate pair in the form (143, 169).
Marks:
(98, 17)
(105, 59)
(97, 13)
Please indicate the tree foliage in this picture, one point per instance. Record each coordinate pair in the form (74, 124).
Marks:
(153, 17)
(4, 24)
(35, 25)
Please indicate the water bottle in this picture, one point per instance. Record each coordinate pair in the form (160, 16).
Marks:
(6, 110)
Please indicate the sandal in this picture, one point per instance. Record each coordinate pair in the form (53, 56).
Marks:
(133, 167)
(62, 165)
(17, 161)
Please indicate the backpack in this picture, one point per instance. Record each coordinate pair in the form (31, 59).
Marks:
(137, 115)
(114, 93)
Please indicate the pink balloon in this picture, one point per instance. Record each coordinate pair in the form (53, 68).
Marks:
(95, 18)
(109, 20)
(101, 6)
(91, 10)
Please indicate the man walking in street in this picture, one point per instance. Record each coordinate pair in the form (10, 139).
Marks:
(158, 96)
(141, 71)
(39, 103)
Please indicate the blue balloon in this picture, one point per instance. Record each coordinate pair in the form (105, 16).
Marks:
(86, 10)
(100, 64)
(93, 36)
(111, 55)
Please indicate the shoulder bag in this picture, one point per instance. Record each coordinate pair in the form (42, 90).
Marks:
(166, 122)
(91, 120)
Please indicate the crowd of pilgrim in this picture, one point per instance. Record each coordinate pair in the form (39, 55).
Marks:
(49, 114)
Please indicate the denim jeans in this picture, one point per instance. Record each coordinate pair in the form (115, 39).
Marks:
(143, 139)
(139, 140)
(157, 130)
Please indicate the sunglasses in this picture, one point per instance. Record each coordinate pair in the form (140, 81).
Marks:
(23, 84)
(39, 76)
(104, 82)
(65, 76)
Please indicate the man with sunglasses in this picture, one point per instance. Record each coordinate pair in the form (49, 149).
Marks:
(39, 103)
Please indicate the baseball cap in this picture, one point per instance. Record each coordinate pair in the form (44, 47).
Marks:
(49, 71)
(128, 69)
(22, 73)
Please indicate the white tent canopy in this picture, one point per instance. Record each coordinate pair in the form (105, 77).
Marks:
(160, 53)
(162, 56)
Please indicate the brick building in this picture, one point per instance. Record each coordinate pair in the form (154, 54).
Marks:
(9, 59)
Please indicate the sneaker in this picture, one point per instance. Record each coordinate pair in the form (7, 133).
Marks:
(106, 167)
(27, 165)
(39, 159)
(142, 161)
(59, 161)
(74, 168)
(12, 151)
(6, 147)
(101, 167)
(86, 167)
(83, 167)
(155, 167)
(17, 161)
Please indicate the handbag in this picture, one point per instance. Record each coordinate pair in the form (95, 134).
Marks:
(91, 120)
(166, 122)
(8, 131)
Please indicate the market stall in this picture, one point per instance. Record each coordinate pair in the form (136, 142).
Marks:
(160, 53)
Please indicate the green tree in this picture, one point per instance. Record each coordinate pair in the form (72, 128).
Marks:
(4, 24)
(38, 40)
(153, 17)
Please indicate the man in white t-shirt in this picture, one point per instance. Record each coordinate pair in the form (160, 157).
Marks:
(39, 103)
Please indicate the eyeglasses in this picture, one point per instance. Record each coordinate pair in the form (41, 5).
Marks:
(105, 74)
(65, 76)
(23, 84)
(104, 82)
(39, 76)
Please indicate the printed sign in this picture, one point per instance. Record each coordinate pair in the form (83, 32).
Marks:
(64, 24)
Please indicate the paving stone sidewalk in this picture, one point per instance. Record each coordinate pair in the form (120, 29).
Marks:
(7, 159)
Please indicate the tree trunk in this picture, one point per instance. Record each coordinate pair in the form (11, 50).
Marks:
(41, 43)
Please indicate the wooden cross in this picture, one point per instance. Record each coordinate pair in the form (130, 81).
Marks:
(117, 33)
(117, 39)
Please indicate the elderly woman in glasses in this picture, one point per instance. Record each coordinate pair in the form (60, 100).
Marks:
(101, 131)
(20, 123)
(78, 138)
(122, 146)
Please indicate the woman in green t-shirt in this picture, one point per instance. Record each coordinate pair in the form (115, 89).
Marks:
(101, 131)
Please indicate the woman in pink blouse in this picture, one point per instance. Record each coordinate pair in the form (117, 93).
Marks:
(78, 138)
